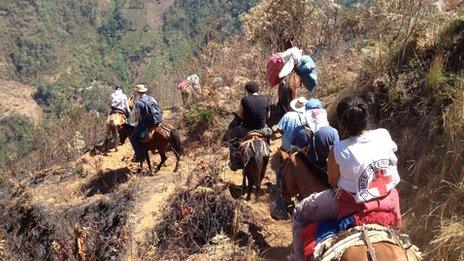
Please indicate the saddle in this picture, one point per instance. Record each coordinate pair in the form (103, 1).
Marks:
(252, 135)
(150, 133)
(119, 112)
(333, 248)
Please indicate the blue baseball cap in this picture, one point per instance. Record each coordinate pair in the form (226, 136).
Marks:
(313, 104)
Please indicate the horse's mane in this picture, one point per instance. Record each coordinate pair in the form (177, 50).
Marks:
(317, 172)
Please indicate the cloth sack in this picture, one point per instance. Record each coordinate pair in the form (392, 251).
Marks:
(274, 66)
(307, 69)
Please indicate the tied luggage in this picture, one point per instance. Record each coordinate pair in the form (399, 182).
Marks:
(307, 69)
(182, 84)
(274, 66)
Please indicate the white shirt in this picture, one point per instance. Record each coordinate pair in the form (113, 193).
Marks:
(368, 164)
(118, 100)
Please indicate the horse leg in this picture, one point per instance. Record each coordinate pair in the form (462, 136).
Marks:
(116, 138)
(243, 182)
(162, 154)
(259, 178)
(147, 158)
(177, 161)
(250, 185)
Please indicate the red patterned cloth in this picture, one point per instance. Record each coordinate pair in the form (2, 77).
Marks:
(316, 232)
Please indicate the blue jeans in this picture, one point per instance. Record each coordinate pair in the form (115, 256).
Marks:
(279, 202)
(134, 140)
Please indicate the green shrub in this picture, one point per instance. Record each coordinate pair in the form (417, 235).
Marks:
(34, 55)
(199, 118)
(17, 138)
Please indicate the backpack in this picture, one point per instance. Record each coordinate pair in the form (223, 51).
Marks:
(307, 69)
(152, 113)
(274, 66)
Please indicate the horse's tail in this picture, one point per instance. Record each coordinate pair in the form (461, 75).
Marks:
(176, 143)
(260, 151)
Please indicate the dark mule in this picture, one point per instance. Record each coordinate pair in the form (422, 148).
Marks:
(255, 157)
(159, 141)
(300, 179)
(254, 153)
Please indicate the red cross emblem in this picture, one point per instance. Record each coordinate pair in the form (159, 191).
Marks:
(380, 181)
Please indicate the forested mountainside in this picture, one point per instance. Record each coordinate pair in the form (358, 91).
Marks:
(70, 53)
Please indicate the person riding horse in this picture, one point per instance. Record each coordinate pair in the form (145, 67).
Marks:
(362, 170)
(254, 110)
(148, 115)
(316, 137)
(287, 125)
(316, 134)
(119, 103)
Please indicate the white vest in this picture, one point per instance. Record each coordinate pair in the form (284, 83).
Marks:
(118, 100)
(368, 165)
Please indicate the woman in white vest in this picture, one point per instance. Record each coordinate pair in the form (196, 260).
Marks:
(362, 170)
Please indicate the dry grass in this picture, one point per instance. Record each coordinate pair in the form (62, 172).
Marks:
(449, 243)
(420, 101)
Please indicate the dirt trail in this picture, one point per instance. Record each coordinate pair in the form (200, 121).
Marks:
(103, 178)
(274, 237)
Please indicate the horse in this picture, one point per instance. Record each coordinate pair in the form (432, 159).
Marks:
(160, 139)
(255, 154)
(114, 123)
(190, 93)
(255, 157)
(299, 180)
(288, 90)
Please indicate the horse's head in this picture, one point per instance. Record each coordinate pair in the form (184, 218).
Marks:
(298, 179)
(235, 122)
(125, 132)
(289, 185)
(131, 102)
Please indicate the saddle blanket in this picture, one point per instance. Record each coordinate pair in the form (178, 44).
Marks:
(317, 232)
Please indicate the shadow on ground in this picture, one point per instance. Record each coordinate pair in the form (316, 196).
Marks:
(236, 190)
(106, 182)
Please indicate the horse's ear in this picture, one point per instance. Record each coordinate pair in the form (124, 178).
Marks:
(284, 155)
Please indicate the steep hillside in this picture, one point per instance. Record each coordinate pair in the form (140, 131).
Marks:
(67, 56)
(101, 207)
(405, 58)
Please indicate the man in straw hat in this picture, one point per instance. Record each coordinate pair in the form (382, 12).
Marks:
(148, 114)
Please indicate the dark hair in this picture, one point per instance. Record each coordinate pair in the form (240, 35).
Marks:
(251, 87)
(352, 115)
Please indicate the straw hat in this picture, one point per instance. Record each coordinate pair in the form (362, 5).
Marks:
(140, 88)
(298, 105)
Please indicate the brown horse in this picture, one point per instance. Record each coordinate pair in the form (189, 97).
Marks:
(114, 124)
(160, 139)
(299, 181)
(288, 90)
(255, 157)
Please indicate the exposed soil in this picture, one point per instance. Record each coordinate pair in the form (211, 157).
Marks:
(72, 209)
(16, 98)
